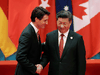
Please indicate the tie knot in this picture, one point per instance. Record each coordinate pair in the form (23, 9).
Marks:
(62, 35)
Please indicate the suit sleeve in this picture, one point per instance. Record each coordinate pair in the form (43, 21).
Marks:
(21, 56)
(81, 57)
(45, 56)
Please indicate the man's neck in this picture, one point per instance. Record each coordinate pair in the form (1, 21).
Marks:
(35, 25)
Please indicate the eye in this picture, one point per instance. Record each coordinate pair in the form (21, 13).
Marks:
(64, 23)
(60, 23)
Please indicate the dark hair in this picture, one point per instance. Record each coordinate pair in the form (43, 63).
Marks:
(64, 14)
(39, 12)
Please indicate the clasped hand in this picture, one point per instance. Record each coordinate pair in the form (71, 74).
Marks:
(39, 68)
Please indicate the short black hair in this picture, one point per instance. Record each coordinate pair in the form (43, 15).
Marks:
(64, 14)
(39, 12)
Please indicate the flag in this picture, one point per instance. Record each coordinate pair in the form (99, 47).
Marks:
(50, 6)
(86, 22)
(6, 45)
(19, 17)
(64, 5)
(20, 13)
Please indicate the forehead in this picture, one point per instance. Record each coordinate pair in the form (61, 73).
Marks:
(45, 17)
(63, 19)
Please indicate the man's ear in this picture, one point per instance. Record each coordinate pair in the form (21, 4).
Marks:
(36, 19)
(70, 22)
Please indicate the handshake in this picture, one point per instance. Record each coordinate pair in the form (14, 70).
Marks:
(39, 68)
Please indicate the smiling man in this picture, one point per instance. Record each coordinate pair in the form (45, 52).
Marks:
(29, 48)
(64, 49)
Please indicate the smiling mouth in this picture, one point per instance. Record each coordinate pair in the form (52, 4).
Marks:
(61, 28)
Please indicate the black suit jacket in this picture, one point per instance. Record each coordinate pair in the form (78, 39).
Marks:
(72, 61)
(28, 52)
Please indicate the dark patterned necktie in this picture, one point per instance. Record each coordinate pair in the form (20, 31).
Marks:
(61, 45)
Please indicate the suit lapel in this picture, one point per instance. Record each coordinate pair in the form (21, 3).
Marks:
(68, 43)
(33, 33)
(55, 37)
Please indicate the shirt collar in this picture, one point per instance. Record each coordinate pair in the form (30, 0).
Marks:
(36, 30)
(65, 34)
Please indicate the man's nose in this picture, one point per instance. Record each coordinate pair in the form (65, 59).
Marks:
(46, 22)
(62, 26)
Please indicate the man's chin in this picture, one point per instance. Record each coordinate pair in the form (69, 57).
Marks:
(62, 31)
(43, 27)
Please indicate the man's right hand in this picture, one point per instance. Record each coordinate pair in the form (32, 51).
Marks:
(39, 68)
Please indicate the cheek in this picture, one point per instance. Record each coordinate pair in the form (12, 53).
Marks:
(58, 27)
(66, 28)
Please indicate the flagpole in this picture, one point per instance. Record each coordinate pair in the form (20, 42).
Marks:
(5, 58)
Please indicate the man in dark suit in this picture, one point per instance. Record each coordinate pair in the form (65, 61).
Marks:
(65, 49)
(29, 48)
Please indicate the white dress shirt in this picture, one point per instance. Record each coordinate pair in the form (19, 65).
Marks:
(36, 30)
(64, 37)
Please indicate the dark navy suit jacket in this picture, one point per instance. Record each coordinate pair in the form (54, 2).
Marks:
(28, 52)
(73, 60)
